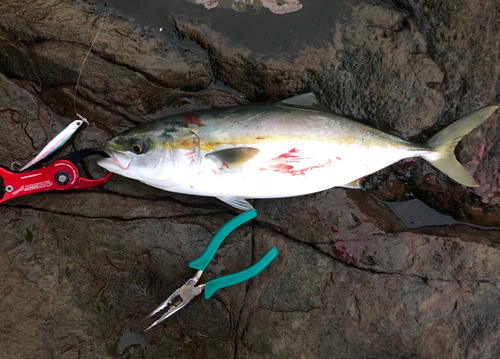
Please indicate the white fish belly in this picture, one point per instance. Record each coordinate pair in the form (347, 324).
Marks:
(280, 170)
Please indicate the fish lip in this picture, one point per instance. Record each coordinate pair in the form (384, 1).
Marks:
(119, 159)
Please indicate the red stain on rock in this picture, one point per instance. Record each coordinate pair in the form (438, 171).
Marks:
(406, 164)
(340, 251)
(481, 151)
(334, 229)
(339, 232)
(193, 119)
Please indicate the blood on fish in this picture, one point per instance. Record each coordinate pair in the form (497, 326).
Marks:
(281, 168)
(193, 119)
(184, 143)
(282, 164)
(289, 154)
(214, 171)
(338, 158)
(226, 143)
(303, 170)
(190, 154)
(260, 138)
(225, 165)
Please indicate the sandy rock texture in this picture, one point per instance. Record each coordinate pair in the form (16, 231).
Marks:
(80, 270)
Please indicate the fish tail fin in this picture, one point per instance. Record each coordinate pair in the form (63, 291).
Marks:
(445, 141)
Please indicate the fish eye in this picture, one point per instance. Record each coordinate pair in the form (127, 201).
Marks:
(137, 148)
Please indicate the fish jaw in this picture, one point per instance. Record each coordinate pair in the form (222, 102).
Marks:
(117, 162)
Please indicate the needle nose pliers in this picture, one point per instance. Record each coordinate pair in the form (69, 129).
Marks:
(182, 296)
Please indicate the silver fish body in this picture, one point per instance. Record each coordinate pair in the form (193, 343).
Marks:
(289, 148)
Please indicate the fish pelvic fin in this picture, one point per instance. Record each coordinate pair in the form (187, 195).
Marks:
(445, 141)
(237, 202)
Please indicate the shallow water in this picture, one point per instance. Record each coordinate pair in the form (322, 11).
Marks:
(416, 214)
(260, 31)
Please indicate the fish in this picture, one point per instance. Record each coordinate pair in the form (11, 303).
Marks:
(289, 148)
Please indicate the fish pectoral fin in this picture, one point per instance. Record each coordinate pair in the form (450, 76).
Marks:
(307, 100)
(233, 157)
(356, 184)
(237, 202)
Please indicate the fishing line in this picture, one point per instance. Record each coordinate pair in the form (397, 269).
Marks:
(83, 64)
(70, 130)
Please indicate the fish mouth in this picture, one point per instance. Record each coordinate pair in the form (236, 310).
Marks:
(116, 161)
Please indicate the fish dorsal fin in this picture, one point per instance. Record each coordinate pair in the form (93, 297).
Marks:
(307, 100)
(233, 157)
(237, 202)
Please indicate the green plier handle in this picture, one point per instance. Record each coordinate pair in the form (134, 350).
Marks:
(231, 279)
(188, 291)
(202, 262)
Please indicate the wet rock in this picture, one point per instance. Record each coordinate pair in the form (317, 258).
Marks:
(21, 113)
(120, 42)
(364, 313)
(80, 270)
(99, 291)
(455, 45)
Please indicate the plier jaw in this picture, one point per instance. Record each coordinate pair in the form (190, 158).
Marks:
(62, 174)
(179, 299)
(182, 296)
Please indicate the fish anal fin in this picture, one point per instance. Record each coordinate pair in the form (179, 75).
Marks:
(307, 100)
(356, 184)
(237, 202)
(233, 157)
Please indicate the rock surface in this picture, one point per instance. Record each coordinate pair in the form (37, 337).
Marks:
(80, 270)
